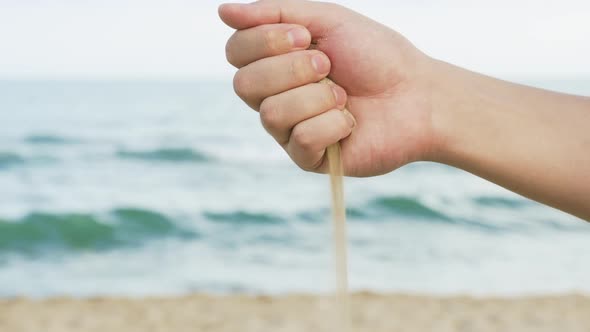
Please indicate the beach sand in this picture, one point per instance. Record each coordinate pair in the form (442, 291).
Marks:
(371, 312)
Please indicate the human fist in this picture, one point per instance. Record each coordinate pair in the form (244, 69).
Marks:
(377, 103)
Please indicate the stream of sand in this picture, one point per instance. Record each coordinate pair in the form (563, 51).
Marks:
(339, 238)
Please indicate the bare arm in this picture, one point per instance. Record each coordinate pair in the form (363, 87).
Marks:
(403, 106)
(531, 141)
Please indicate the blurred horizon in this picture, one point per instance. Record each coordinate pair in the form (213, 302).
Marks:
(184, 40)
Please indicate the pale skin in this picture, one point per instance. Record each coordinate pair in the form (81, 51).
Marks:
(390, 104)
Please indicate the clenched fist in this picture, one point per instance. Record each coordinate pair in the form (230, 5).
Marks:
(378, 103)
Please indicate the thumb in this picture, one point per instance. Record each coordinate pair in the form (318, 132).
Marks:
(317, 17)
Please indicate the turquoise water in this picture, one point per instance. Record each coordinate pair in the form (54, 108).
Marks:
(146, 188)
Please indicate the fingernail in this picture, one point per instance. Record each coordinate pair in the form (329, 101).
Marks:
(299, 37)
(349, 118)
(320, 63)
(339, 95)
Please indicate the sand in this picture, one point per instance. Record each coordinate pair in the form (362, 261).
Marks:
(342, 320)
(370, 312)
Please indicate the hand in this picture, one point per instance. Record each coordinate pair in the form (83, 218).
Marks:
(382, 79)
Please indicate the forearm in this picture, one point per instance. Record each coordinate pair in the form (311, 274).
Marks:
(531, 141)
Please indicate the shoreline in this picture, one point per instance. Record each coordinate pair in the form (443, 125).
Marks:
(290, 313)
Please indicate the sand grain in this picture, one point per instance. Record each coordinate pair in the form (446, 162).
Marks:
(370, 312)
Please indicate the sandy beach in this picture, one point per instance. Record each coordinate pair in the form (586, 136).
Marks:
(371, 312)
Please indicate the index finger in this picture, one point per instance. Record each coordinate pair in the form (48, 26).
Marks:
(247, 46)
(318, 17)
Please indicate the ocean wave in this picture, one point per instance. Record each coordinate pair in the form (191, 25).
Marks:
(357, 213)
(43, 139)
(11, 160)
(8, 159)
(408, 207)
(243, 217)
(385, 209)
(39, 232)
(165, 155)
(314, 216)
(380, 208)
(502, 202)
(320, 215)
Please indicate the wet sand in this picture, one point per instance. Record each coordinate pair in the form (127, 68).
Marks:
(370, 312)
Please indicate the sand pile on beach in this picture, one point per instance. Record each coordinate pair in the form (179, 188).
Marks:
(371, 313)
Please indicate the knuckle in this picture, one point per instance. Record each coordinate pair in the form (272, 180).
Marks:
(302, 138)
(229, 52)
(306, 167)
(241, 84)
(269, 114)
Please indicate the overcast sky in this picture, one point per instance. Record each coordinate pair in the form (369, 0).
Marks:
(185, 39)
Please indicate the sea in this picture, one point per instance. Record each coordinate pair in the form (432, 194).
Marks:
(167, 188)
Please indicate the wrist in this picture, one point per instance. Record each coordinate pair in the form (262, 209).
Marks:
(455, 99)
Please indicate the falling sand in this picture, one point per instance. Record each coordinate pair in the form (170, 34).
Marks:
(343, 319)
(339, 238)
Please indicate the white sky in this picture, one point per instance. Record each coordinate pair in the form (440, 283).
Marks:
(185, 39)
